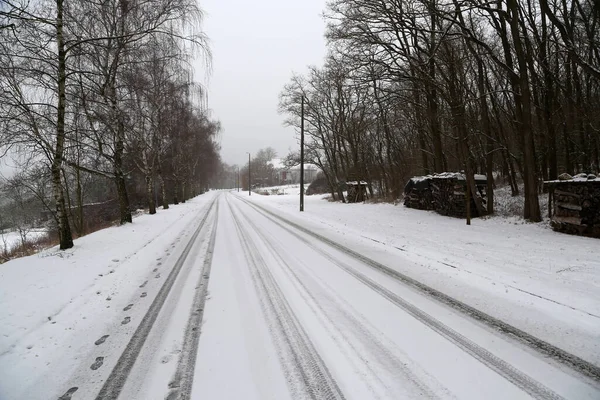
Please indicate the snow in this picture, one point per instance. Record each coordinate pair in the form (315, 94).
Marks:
(356, 183)
(9, 240)
(577, 178)
(55, 304)
(372, 347)
(538, 280)
(281, 190)
(288, 316)
(447, 175)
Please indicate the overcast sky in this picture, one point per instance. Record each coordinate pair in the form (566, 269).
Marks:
(257, 46)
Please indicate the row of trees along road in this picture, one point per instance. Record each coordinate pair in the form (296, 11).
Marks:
(422, 86)
(104, 89)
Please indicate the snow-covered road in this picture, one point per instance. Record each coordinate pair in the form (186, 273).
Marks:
(251, 304)
(291, 316)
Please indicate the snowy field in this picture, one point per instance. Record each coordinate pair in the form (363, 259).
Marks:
(302, 306)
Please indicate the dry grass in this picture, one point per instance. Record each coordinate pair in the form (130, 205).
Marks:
(29, 247)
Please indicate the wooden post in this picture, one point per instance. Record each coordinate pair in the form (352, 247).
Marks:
(468, 201)
(550, 198)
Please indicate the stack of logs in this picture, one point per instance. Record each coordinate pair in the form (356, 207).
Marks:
(417, 194)
(575, 205)
(445, 193)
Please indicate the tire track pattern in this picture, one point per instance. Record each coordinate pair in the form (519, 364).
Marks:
(117, 378)
(183, 380)
(287, 331)
(411, 382)
(506, 370)
(547, 349)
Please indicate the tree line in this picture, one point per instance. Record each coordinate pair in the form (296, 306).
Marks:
(411, 87)
(98, 101)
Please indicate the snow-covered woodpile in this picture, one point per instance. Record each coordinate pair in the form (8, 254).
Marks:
(357, 191)
(575, 204)
(445, 193)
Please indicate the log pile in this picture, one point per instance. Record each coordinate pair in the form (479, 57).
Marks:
(445, 193)
(576, 205)
(417, 194)
(357, 191)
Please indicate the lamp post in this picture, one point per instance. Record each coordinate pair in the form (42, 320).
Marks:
(302, 156)
(249, 181)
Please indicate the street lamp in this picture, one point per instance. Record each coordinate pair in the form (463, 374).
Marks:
(302, 155)
(249, 182)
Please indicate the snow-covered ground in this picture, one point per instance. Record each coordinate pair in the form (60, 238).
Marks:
(541, 281)
(296, 309)
(289, 315)
(54, 305)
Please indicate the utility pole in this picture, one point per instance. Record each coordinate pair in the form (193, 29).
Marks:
(249, 181)
(238, 179)
(302, 155)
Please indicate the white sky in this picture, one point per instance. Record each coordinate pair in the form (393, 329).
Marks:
(257, 46)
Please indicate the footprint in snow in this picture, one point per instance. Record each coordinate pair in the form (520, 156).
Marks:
(144, 294)
(101, 340)
(165, 359)
(155, 269)
(128, 307)
(143, 284)
(68, 393)
(159, 258)
(126, 320)
(115, 260)
(98, 363)
(157, 276)
(159, 264)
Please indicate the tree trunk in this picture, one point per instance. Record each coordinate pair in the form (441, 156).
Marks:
(79, 194)
(150, 194)
(438, 152)
(176, 192)
(64, 229)
(163, 191)
(124, 210)
(124, 207)
(531, 210)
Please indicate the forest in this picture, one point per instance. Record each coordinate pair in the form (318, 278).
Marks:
(505, 88)
(99, 106)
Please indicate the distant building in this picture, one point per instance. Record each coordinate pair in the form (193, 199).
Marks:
(285, 175)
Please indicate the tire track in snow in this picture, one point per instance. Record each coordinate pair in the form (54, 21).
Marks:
(288, 334)
(416, 387)
(503, 368)
(183, 380)
(576, 363)
(117, 378)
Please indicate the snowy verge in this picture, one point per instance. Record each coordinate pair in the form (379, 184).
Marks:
(540, 281)
(55, 304)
